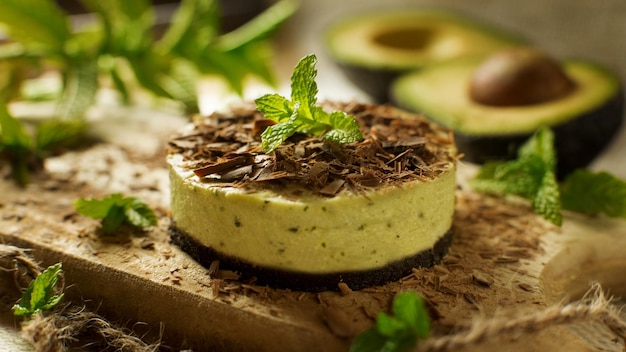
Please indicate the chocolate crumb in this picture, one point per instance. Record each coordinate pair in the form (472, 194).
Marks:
(214, 267)
(146, 244)
(344, 289)
(526, 287)
(481, 280)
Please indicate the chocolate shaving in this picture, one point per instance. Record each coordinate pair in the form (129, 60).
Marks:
(407, 142)
(221, 166)
(332, 188)
(397, 148)
(318, 174)
(237, 174)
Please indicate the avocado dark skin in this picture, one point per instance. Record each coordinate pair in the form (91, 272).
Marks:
(576, 144)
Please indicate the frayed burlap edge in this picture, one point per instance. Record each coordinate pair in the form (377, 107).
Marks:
(70, 326)
(594, 306)
(15, 260)
(79, 327)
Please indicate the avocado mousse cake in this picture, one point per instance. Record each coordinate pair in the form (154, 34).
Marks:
(313, 213)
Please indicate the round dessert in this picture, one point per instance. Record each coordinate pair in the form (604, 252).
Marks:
(310, 214)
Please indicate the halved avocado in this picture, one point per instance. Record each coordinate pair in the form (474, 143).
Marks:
(374, 48)
(584, 116)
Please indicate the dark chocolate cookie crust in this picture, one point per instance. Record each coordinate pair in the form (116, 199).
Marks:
(356, 280)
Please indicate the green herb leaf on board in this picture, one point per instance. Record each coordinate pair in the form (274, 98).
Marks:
(115, 210)
(40, 294)
(594, 193)
(400, 332)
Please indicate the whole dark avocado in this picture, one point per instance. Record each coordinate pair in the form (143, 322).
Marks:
(373, 49)
(496, 103)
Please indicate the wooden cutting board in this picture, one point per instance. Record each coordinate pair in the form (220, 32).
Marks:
(504, 261)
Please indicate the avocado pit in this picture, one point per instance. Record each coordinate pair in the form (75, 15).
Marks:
(519, 77)
(410, 38)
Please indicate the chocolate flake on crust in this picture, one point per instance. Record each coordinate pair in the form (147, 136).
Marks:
(227, 148)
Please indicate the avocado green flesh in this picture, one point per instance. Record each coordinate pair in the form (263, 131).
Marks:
(410, 39)
(308, 233)
(441, 93)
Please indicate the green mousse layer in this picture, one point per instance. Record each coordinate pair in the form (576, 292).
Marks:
(296, 230)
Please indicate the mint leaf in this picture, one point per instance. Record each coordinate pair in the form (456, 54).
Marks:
(115, 210)
(96, 208)
(547, 201)
(139, 214)
(15, 145)
(410, 308)
(114, 218)
(52, 134)
(194, 26)
(40, 294)
(127, 25)
(81, 85)
(594, 193)
(391, 327)
(345, 128)
(399, 332)
(275, 107)
(16, 67)
(540, 145)
(259, 27)
(170, 78)
(257, 58)
(531, 176)
(12, 131)
(517, 177)
(275, 135)
(304, 87)
(301, 114)
(369, 341)
(36, 23)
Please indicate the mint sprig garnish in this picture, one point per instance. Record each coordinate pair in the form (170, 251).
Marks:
(40, 294)
(594, 193)
(301, 114)
(532, 176)
(115, 210)
(397, 333)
